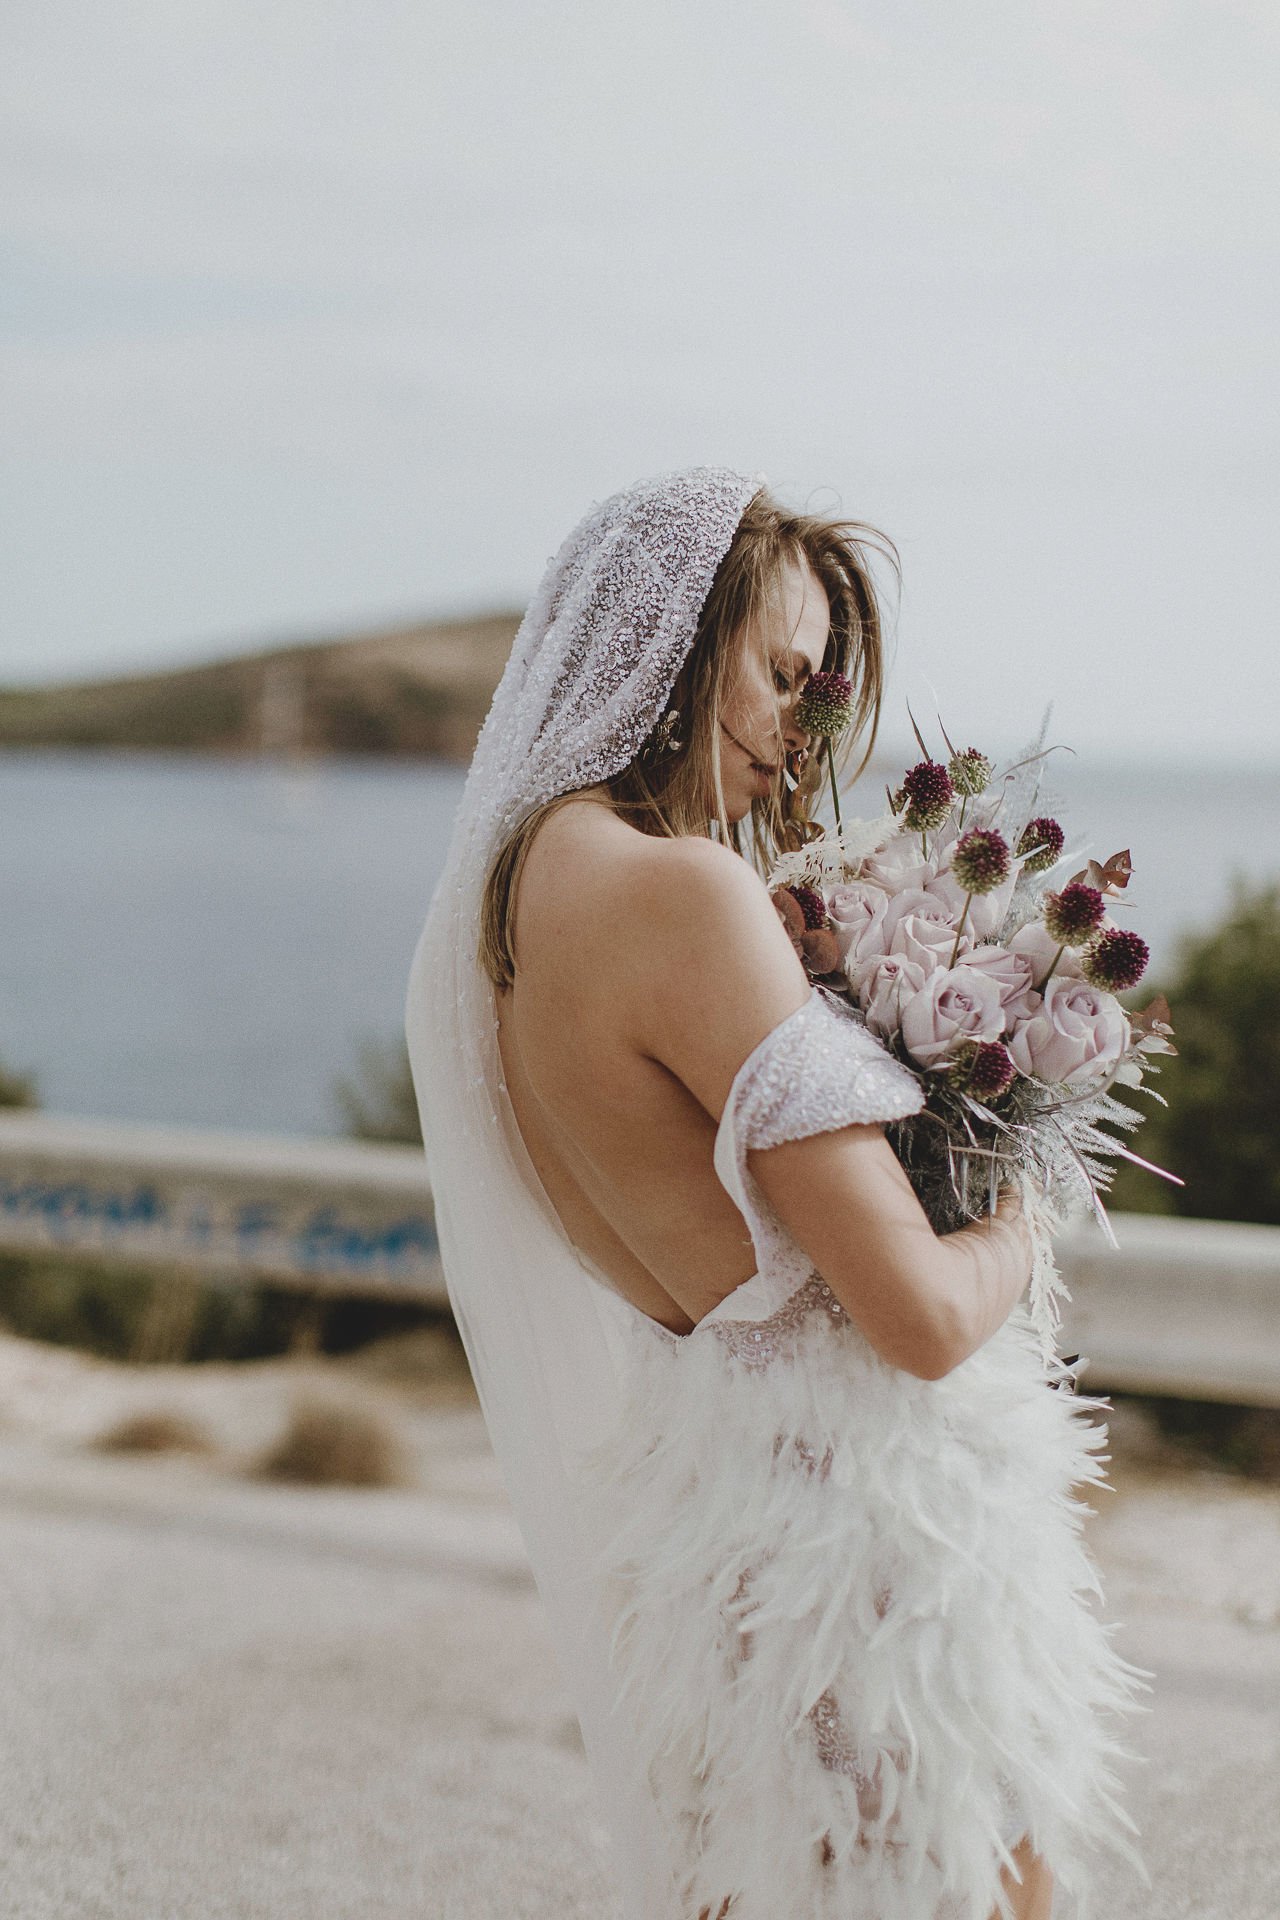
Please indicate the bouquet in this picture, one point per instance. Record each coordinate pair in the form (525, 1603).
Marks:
(955, 927)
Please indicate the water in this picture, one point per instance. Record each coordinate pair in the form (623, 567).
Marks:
(208, 942)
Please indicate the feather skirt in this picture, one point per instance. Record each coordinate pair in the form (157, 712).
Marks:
(852, 1620)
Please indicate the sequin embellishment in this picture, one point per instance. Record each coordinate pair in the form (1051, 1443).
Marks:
(835, 1749)
(756, 1342)
(837, 1753)
(805, 1457)
(817, 1070)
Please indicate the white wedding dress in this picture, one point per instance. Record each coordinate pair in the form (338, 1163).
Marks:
(851, 1616)
(825, 1625)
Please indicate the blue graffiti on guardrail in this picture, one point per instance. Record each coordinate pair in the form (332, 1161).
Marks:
(327, 1240)
(62, 1206)
(314, 1239)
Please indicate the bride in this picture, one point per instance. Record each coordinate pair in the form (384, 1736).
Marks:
(794, 1479)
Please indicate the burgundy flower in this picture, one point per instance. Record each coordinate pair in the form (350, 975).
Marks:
(1116, 960)
(1075, 913)
(826, 705)
(1041, 844)
(812, 906)
(929, 794)
(985, 1069)
(970, 771)
(980, 860)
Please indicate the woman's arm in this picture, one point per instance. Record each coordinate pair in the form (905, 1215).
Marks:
(707, 972)
(924, 1302)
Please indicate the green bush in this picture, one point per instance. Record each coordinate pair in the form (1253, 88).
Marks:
(101, 1307)
(72, 1303)
(1207, 1433)
(104, 1308)
(1221, 1129)
(17, 1089)
(380, 1103)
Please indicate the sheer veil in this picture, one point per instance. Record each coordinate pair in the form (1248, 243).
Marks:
(590, 671)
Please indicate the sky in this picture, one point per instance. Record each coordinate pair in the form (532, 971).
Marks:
(315, 318)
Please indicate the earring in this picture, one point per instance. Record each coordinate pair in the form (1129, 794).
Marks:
(666, 735)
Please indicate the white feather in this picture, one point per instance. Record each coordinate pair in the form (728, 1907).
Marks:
(989, 1675)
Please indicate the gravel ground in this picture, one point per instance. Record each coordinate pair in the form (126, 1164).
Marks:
(240, 1700)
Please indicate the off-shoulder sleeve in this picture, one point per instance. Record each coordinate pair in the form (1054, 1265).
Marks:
(817, 1070)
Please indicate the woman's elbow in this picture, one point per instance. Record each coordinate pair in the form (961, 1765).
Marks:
(943, 1343)
(929, 1358)
(936, 1364)
(925, 1340)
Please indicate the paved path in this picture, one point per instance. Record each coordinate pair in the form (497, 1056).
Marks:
(236, 1701)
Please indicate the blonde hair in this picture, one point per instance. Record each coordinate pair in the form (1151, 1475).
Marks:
(675, 793)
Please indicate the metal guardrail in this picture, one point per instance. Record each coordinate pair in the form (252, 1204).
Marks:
(334, 1216)
(1185, 1307)
(1189, 1308)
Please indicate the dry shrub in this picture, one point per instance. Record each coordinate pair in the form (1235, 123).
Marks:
(332, 1441)
(155, 1430)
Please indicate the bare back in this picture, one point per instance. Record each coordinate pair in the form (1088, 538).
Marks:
(647, 972)
(621, 1145)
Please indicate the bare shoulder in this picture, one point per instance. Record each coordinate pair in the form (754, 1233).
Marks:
(673, 944)
(693, 898)
(709, 967)
(651, 887)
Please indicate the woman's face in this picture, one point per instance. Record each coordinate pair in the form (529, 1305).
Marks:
(764, 697)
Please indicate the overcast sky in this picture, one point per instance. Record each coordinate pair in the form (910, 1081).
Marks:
(319, 316)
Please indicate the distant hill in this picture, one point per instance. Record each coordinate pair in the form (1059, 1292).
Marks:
(410, 690)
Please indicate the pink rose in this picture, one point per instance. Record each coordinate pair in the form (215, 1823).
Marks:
(955, 1004)
(1037, 943)
(917, 925)
(1013, 973)
(986, 910)
(887, 983)
(899, 864)
(1073, 1034)
(855, 909)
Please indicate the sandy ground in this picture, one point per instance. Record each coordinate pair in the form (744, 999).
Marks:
(237, 1700)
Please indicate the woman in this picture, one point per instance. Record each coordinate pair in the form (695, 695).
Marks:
(794, 1483)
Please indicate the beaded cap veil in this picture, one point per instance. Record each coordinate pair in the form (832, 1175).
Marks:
(603, 639)
(589, 674)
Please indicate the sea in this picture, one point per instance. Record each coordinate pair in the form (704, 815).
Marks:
(203, 942)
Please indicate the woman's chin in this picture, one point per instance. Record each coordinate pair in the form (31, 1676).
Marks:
(740, 794)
